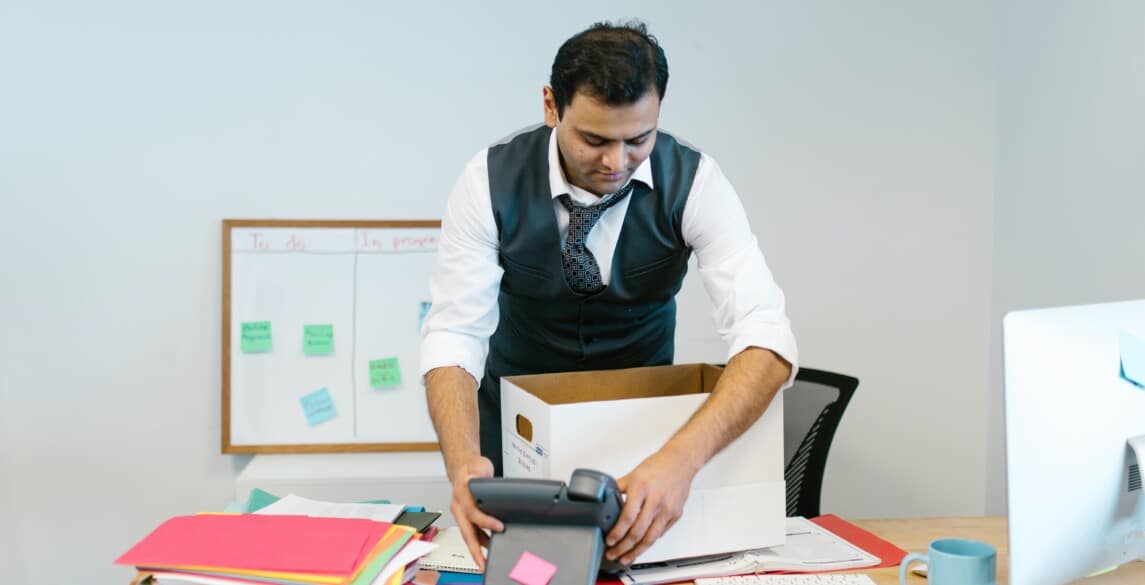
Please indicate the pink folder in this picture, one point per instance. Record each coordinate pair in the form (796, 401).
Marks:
(297, 544)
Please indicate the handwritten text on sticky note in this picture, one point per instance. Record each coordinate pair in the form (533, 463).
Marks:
(318, 407)
(317, 339)
(532, 570)
(385, 373)
(255, 337)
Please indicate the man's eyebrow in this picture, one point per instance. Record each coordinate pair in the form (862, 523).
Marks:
(598, 138)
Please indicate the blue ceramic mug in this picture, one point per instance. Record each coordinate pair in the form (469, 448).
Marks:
(955, 561)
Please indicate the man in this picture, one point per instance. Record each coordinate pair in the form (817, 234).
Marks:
(563, 248)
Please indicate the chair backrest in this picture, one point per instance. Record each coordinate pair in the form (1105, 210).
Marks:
(812, 409)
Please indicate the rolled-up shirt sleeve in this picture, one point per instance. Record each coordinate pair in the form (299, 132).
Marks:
(748, 306)
(466, 277)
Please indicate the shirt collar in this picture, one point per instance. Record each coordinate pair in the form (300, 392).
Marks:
(559, 185)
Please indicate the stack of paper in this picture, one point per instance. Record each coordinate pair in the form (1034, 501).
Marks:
(287, 550)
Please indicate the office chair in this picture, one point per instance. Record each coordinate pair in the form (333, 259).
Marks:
(812, 409)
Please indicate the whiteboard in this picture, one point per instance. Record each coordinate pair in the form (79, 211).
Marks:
(321, 329)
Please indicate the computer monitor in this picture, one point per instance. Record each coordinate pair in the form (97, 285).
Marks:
(1074, 485)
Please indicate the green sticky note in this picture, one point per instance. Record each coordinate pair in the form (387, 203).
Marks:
(256, 337)
(317, 339)
(385, 373)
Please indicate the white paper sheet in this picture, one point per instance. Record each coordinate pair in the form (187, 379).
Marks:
(293, 505)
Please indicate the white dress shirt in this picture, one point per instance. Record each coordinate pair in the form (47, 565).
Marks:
(748, 306)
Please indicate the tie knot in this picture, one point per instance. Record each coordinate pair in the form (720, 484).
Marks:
(599, 207)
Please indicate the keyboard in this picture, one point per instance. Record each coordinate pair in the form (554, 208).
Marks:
(802, 579)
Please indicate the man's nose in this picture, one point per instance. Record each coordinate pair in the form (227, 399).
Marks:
(614, 158)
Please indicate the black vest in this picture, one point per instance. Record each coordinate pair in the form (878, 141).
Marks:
(544, 326)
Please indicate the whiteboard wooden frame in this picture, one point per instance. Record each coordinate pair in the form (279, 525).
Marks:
(227, 447)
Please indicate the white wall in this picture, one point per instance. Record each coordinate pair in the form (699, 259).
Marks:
(860, 137)
(876, 159)
(1071, 183)
(9, 528)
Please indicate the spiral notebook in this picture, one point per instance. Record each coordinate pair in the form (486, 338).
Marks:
(451, 554)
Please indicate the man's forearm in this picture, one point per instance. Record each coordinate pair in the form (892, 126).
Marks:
(452, 397)
(744, 391)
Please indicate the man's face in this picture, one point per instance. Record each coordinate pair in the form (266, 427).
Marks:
(602, 145)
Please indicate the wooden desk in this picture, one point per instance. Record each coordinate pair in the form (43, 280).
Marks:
(913, 535)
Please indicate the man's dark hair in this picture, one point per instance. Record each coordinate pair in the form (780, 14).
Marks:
(613, 63)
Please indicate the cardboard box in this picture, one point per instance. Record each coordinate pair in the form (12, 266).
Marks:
(612, 420)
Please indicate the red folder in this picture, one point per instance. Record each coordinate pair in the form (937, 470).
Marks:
(292, 544)
(889, 554)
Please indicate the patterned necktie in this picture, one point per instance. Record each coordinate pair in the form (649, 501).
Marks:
(581, 270)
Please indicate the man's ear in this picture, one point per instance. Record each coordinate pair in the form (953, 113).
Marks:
(550, 100)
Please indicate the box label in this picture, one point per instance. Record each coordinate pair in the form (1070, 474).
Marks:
(527, 457)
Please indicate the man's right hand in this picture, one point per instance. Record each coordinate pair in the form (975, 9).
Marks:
(471, 521)
(451, 393)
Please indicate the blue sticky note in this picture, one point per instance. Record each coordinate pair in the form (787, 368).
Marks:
(423, 310)
(319, 407)
(1133, 359)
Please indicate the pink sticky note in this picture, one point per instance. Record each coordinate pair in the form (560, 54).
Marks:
(532, 570)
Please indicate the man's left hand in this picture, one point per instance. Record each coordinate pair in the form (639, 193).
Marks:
(656, 491)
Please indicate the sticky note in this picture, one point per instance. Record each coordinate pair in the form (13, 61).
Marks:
(318, 407)
(255, 337)
(317, 339)
(422, 312)
(532, 570)
(385, 373)
(1133, 359)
